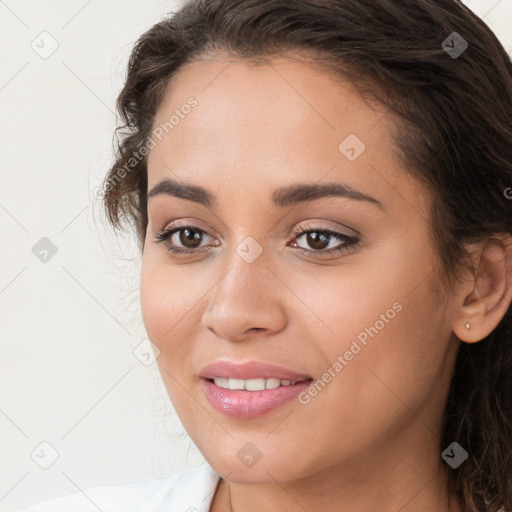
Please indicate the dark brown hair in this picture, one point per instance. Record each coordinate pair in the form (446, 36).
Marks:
(453, 120)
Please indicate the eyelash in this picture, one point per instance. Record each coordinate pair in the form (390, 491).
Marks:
(350, 241)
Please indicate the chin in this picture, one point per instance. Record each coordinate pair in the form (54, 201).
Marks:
(276, 466)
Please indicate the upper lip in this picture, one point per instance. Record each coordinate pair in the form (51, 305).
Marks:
(249, 370)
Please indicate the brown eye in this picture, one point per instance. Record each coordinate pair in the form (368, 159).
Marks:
(183, 239)
(190, 238)
(318, 241)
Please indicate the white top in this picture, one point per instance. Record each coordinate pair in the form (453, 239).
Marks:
(191, 490)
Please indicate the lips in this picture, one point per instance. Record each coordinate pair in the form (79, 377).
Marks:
(250, 389)
(250, 370)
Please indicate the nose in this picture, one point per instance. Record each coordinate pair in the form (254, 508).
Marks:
(247, 300)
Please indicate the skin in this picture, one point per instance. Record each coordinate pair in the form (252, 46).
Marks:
(370, 439)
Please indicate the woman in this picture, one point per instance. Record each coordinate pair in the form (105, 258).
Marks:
(321, 191)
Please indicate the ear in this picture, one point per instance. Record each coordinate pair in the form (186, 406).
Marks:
(484, 299)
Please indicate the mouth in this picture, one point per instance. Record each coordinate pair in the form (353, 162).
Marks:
(251, 389)
(253, 384)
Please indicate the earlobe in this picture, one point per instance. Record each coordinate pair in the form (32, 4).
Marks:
(490, 291)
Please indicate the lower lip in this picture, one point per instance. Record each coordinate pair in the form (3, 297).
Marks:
(249, 404)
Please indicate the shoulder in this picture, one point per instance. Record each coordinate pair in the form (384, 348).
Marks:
(189, 491)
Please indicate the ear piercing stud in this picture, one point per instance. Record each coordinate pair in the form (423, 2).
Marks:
(467, 325)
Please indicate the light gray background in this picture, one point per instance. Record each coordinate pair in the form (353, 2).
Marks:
(68, 327)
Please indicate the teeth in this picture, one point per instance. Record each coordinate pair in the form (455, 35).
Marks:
(272, 383)
(236, 384)
(222, 382)
(252, 384)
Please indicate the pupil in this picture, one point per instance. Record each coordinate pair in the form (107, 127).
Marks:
(314, 237)
(190, 236)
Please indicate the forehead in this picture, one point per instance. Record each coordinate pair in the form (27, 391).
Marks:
(282, 102)
(269, 125)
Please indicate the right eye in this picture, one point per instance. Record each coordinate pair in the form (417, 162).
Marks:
(188, 236)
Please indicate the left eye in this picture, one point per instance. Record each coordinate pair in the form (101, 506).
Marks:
(320, 239)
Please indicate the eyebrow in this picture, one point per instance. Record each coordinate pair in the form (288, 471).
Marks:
(281, 197)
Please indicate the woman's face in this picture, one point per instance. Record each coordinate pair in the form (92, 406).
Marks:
(348, 308)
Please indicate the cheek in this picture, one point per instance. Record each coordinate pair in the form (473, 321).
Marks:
(156, 305)
(166, 301)
(168, 296)
(400, 364)
(389, 332)
(166, 310)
